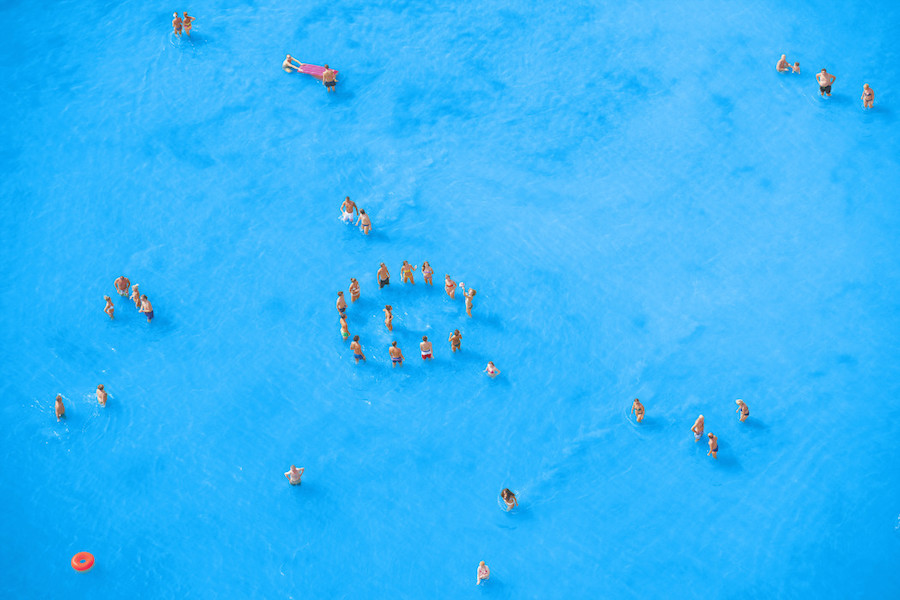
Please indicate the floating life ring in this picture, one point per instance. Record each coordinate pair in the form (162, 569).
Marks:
(83, 561)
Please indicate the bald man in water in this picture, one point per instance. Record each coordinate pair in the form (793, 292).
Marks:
(783, 65)
(697, 428)
(825, 80)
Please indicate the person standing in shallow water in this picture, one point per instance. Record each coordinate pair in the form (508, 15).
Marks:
(396, 355)
(713, 446)
(743, 409)
(384, 277)
(427, 272)
(101, 395)
(294, 474)
(329, 79)
(354, 290)
(425, 348)
(176, 23)
(136, 296)
(469, 295)
(483, 573)
(825, 80)
(60, 408)
(356, 347)
(364, 222)
(122, 284)
(146, 308)
(110, 309)
(345, 331)
(455, 340)
(348, 210)
(449, 286)
(868, 96)
(388, 317)
(187, 24)
(697, 428)
(406, 272)
(638, 409)
(341, 304)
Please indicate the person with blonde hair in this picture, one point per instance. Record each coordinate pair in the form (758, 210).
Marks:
(868, 96)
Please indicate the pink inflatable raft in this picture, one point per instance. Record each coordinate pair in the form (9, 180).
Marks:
(314, 70)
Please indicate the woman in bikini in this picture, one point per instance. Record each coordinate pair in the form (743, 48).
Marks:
(638, 409)
(406, 272)
(449, 286)
(354, 290)
(187, 24)
(743, 409)
(455, 340)
(491, 370)
(109, 307)
(427, 272)
(388, 317)
(136, 296)
(868, 96)
(469, 295)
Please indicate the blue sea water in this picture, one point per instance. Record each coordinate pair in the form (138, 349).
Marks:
(646, 210)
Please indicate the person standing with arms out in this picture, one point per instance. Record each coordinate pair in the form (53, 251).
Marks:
(357, 349)
(146, 308)
(289, 66)
(868, 96)
(425, 347)
(101, 395)
(329, 78)
(743, 409)
(176, 24)
(354, 290)
(110, 309)
(396, 355)
(388, 317)
(449, 286)
(455, 340)
(294, 475)
(384, 277)
(364, 222)
(60, 408)
(427, 272)
(122, 284)
(187, 24)
(713, 446)
(341, 303)
(348, 210)
(697, 428)
(406, 272)
(825, 80)
(638, 409)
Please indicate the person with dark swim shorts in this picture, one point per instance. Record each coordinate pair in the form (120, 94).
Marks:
(384, 277)
(357, 349)
(146, 308)
(396, 355)
(341, 303)
(713, 445)
(455, 340)
(329, 79)
(176, 23)
(743, 409)
(638, 409)
(825, 80)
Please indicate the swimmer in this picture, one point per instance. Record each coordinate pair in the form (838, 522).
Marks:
(146, 308)
(638, 409)
(364, 222)
(868, 96)
(122, 284)
(388, 317)
(743, 409)
(341, 303)
(483, 573)
(329, 79)
(491, 370)
(509, 498)
(698, 428)
(345, 331)
(425, 347)
(348, 209)
(449, 286)
(176, 23)
(357, 349)
(825, 80)
(288, 64)
(384, 277)
(354, 290)
(136, 296)
(455, 340)
(406, 272)
(796, 67)
(187, 24)
(101, 395)
(396, 355)
(783, 65)
(469, 295)
(60, 408)
(427, 272)
(295, 474)
(713, 445)
(109, 307)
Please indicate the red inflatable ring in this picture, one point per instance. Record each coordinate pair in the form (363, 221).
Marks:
(83, 561)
